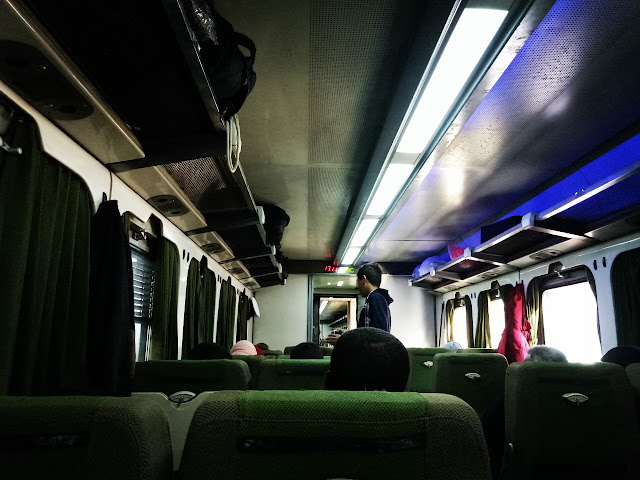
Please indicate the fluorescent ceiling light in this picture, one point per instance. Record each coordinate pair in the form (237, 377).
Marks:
(471, 37)
(323, 305)
(364, 232)
(391, 183)
(350, 256)
(340, 283)
(343, 269)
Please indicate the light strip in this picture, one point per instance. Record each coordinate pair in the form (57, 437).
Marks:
(340, 283)
(392, 181)
(364, 232)
(323, 305)
(471, 37)
(350, 255)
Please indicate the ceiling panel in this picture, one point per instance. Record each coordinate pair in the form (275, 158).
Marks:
(572, 86)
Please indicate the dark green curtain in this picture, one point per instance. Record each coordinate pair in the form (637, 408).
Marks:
(45, 215)
(534, 312)
(469, 312)
(199, 307)
(226, 314)
(483, 333)
(164, 326)
(244, 313)
(625, 283)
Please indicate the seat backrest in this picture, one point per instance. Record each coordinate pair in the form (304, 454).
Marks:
(478, 350)
(83, 437)
(287, 374)
(287, 350)
(253, 362)
(272, 353)
(572, 420)
(334, 434)
(477, 378)
(421, 373)
(197, 376)
(326, 351)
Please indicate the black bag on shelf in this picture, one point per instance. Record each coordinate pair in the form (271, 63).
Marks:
(229, 70)
(275, 221)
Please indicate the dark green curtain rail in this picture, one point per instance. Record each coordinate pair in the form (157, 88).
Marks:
(226, 314)
(164, 326)
(199, 307)
(45, 215)
(625, 282)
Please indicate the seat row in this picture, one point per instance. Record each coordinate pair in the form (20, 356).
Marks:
(561, 420)
(244, 434)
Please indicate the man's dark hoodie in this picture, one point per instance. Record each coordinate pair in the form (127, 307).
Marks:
(375, 312)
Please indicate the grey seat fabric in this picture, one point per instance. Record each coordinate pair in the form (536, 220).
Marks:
(477, 378)
(334, 434)
(569, 421)
(421, 372)
(83, 437)
(197, 376)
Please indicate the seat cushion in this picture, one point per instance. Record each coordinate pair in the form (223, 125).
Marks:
(421, 372)
(287, 374)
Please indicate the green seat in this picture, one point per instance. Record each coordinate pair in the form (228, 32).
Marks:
(272, 353)
(326, 351)
(334, 434)
(291, 374)
(83, 437)
(287, 350)
(197, 376)
(478, 350)
(568, 421)
(421, 364)
(477, 378)
(253, 362)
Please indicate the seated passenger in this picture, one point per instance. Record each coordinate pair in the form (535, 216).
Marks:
(208, 351)
(368, 358)
(493, 418)
(262, 346)
(306, 350)
(243, 347)
(624, 355)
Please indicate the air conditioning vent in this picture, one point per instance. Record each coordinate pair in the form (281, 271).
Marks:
(237, 269)
(168, 205)
(545, 255)
(213, 245)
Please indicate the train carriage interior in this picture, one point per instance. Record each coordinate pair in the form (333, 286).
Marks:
(188, 189)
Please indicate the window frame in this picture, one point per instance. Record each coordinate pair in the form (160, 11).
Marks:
(144, 321)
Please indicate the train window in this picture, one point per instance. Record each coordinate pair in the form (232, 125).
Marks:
(496, 321)
(143, 269)
(459, 326)
(570, 319)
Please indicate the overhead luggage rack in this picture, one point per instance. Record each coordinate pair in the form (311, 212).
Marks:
(138, 66)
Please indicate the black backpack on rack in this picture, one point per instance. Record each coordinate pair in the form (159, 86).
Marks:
(229, 70)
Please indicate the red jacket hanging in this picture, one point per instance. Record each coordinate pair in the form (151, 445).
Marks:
(514, 343)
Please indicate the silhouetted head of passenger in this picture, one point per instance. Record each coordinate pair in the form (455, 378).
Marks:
(306, 350)
(624, 355)
(208, 351)
(453, 346)
(368, 359)
(369, 278)
(244, 347)
(262, 346)
(543, 353)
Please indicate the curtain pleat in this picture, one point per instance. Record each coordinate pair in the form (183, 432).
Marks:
(164, 327)
(111, 349)
(469, 313)
(244, 309)
(483, 333)
(625, 283)
(448, 312)
(199, 306)
(534, 312)
(45, 214)
(226, 314)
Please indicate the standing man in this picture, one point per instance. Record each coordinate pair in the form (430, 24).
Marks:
(375, 312)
